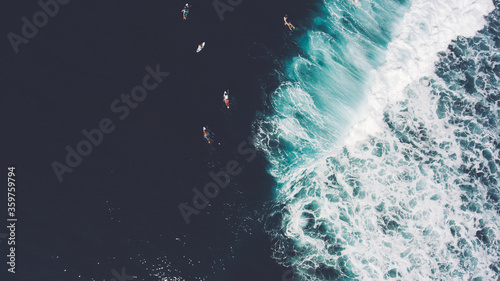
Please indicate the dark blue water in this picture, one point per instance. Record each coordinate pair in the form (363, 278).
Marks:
(358, 175)
(119, 207)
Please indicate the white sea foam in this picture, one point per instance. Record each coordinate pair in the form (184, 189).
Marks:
(425, 30)
(390, 200)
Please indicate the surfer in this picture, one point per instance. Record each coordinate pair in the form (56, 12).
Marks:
(185, 11)
(289, 24)
(226, 98)
(206, 135)
(200, 47)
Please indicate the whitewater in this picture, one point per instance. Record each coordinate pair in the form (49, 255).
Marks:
(384, 142)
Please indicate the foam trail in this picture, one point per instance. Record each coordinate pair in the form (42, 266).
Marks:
(326, 86)
(426, 29)
(408, 189)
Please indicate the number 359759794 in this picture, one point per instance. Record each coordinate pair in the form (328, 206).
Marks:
(11, 188)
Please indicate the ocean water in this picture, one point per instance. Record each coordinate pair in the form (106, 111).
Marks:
(377, 125)
(383, 138)
(118, 210)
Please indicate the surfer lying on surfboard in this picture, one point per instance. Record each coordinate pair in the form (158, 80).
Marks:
(206, 135)
(226, 98)
(185, 11)
(200, 47)
(289, 24)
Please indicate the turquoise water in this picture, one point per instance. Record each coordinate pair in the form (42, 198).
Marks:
(383, 138)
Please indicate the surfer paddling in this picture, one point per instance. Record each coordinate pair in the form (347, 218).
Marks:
(289, 24)
(185, 11)
(200, 47)
(226, 98)
(206, 135)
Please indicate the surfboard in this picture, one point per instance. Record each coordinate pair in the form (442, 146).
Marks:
(200, 47)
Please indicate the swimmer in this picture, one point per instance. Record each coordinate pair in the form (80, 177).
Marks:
(289, 24)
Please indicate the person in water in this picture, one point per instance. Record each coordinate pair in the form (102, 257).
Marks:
(206, 135)
(226, 98)
(185, 11)
(289, 24)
